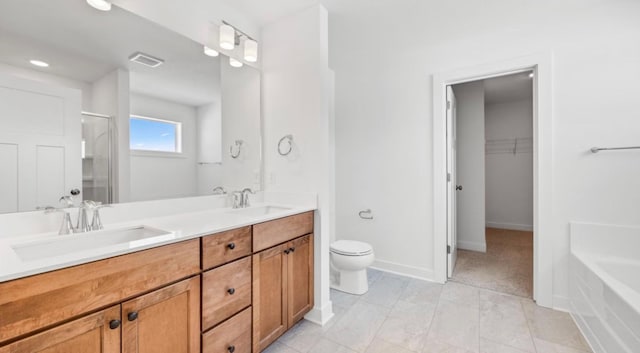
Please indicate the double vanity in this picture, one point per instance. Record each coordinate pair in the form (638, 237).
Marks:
(210, 281)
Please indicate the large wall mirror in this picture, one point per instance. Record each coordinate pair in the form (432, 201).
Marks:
(118, 108)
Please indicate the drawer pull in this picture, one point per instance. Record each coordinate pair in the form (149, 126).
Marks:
(292, 249)
(231, 291)
(132, 316)
(231, 246)
(114, 324)
(231, 349)
(287, 251)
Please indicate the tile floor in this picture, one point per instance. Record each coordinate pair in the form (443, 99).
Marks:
(506, 267)
(404, 315)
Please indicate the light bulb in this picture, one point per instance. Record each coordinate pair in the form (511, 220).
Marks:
(227, 37)
(250, 50)
(39, 63)
(210, 52)
(235, 63)
(101, 5)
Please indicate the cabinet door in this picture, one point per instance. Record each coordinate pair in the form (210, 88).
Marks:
(269, 296)
(164, 321)
(299, 278)
(89, 334)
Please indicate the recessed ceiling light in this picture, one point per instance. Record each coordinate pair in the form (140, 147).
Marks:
(210, 52)
(101, 5)
(39, 63)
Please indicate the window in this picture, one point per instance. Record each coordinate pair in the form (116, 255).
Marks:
(150, 134)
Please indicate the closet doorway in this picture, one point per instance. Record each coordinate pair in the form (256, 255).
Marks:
(492, 201)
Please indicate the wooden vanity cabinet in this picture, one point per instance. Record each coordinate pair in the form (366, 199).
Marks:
(95, 333)
(282, 277)
(164, 321)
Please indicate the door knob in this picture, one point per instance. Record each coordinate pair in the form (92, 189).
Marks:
(458, 187)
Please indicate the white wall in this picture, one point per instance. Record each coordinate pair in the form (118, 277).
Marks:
(296, 85)
(156, 176)
(470, 166)
(55, 80)
(110, 96)
(384, 112)
(509, 177)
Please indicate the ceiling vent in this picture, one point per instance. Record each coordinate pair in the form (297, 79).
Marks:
(146, 59)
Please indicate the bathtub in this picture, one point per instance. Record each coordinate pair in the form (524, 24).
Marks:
(604, 286)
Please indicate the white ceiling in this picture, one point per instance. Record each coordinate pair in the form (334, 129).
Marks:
(84, 44)
(508, 88)
(264, 12)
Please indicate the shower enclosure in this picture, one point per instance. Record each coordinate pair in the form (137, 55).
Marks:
(96, 158)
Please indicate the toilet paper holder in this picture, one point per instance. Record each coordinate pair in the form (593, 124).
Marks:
(366, 214)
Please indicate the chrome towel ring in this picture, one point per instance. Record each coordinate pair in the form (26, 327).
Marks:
(289, 140)
(238, 145)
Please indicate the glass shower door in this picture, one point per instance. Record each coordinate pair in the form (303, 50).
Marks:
(96, 158)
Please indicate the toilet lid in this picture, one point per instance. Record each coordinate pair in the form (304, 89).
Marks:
(351, 247)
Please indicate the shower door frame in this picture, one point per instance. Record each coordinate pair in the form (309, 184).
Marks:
(541, 65)
(109, 149)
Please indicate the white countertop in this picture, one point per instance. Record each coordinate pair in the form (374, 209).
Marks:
(180, 226)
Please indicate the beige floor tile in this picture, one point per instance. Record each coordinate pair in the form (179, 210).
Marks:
(326, 346)
(277, 347)
(461, 294)
(303, 336)
(487, 346)
(436, 346)
(358, 326)
(457, 325)
(553, 326)
(386, 290)
(543, 346)
(418, 291)
(382, 346)
(502, 320)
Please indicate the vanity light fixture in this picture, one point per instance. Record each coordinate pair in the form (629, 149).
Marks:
(230, 36)
(235, 63)
(210, 52)
(39, 63)
(227, 36)
(101, 5)
(250, 50)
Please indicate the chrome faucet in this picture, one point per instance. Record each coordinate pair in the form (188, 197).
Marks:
(67, 226)
(244, 202)
(96, 222)
(83, 222)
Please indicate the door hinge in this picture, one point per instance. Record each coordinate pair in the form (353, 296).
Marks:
(448, 105)
(448, 177)
(448, 249)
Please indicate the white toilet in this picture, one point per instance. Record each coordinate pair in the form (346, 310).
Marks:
(349, 262)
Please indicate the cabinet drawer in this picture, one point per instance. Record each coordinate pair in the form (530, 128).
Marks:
(268, 234)
(225, 291)
(224, 247)
(40, 301)
(233, 335)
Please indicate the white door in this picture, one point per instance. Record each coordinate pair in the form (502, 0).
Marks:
(452, 248)
(40, 143)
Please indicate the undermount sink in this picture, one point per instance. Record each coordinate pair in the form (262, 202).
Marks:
(259, 211)
(67, 244)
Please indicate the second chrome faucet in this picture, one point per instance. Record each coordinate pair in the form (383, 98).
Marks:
(241, 198)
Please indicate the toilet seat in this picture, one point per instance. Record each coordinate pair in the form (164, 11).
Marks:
(351, 248)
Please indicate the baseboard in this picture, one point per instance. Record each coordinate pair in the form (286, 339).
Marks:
(510, 226)
(322, 315)
(472, 245)
(404, 270)
(561, 303)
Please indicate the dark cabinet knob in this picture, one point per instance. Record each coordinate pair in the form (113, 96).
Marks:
(231, 246)
(292, 249)
(231, 291)
(231, 349)
(132, 316)
(114, 324)
(458, 187)
(287, 251)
